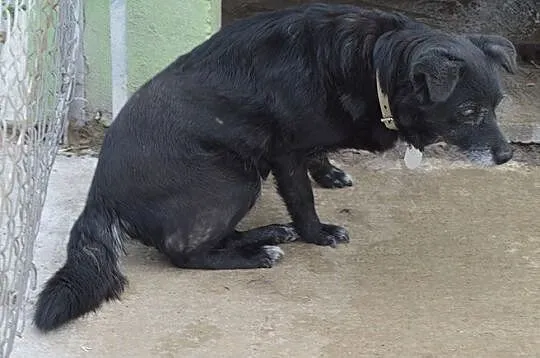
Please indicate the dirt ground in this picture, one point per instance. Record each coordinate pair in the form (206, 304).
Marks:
(444, 261)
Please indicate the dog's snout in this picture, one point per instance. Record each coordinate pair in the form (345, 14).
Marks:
(502, 154)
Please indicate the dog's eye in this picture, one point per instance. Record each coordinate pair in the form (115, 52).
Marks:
(467, 109)
(468, 112)
(475, 117)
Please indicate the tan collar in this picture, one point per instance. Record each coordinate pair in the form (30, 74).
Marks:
(387, 117)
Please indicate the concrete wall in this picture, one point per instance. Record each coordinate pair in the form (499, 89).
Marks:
(157, 33)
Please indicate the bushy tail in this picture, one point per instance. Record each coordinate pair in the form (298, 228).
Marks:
(90, 275)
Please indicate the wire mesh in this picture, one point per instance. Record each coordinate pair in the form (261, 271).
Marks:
(39, 43)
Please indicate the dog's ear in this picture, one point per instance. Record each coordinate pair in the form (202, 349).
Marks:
(436, 72)
(499, 49)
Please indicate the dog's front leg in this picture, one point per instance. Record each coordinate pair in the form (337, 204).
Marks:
(294, 187)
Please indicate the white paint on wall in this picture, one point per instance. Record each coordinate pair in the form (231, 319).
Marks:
(118, 55)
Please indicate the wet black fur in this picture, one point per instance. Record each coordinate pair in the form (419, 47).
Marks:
(183, 162)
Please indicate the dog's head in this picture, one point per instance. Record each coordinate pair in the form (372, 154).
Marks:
(456, 91)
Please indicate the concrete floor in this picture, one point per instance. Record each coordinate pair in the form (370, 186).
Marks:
(443, 262)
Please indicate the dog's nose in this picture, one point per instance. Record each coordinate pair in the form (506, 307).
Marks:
(502, 154)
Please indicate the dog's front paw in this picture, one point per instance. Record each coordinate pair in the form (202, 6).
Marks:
(330, 235)
(333, 178)
(334, 234)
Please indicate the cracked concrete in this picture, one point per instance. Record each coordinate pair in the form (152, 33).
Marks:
(443, 261)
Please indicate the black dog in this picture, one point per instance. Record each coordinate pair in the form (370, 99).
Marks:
(183, 162)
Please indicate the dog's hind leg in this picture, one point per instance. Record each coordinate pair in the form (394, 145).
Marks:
(274, 234)
(204, 237)
(327, 175)
(228, 257)
(255, 248)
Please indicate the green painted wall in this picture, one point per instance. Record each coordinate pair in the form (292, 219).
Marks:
(157, 33)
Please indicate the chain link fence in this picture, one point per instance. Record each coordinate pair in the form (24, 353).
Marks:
(39, 50)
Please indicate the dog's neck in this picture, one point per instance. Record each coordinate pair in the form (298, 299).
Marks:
(384, 103)
(413, 156)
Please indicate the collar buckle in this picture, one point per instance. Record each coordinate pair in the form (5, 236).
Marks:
(387, 118)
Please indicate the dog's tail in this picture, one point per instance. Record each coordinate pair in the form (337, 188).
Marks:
(90, 276)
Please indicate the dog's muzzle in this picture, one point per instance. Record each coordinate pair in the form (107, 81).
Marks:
(502, 154)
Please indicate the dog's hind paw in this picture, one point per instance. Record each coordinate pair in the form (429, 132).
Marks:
(272, 255)
(334, 178)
